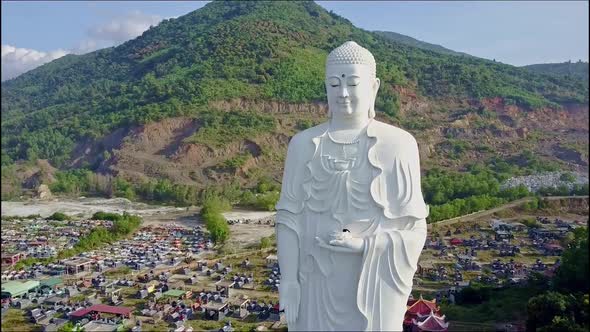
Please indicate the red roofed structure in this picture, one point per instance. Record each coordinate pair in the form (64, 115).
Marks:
(418, 316)
(423, 307)
(102, 309)
(455, 241)
(431, 322)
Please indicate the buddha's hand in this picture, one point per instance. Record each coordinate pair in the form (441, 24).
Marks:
(346, 245)
(289, 298)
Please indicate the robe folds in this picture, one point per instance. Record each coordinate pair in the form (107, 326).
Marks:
(380, 201)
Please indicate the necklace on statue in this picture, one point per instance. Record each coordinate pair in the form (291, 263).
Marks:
(348, 147)
(354, 141)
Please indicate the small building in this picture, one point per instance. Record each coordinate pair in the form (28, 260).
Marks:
(77, 265)
(431, 322)
(13, 289)
(11, 258)
(175, 293)
(55, 300)
(552, 249)
(102, 309)
(215, 310)
(503, 235)
(499, 225)
(456, 242)
(517, 226)
(241, 304)
(51, 283)
(425, 268)
(223, 287)
(420, 307)
(272, 261)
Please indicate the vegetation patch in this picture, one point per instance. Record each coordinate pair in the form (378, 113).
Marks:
(221, 128)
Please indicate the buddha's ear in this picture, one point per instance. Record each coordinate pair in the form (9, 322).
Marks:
(376, 85)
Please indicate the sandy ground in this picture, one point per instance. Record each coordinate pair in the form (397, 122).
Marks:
(83, 207)
(243, 235)
(246, 214)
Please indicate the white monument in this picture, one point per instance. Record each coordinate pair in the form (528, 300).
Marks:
(351, 217)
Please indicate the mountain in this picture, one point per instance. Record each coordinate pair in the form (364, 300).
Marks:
(577, 70)
(407, 40)
(214, 96)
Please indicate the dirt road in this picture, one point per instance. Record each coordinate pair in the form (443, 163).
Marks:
(484, 213)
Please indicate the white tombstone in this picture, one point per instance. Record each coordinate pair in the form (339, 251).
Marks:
(356, 173)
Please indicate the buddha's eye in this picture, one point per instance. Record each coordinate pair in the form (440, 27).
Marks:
(333, 82)
(353, 81)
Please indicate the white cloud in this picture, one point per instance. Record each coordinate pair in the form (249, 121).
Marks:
(16, 60)
(124, 28)
(116, 31)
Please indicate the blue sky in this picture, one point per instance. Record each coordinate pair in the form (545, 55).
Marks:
(516, 33)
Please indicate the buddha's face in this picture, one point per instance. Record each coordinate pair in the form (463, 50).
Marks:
(351, 90)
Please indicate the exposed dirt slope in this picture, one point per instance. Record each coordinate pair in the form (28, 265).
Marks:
(160, 149)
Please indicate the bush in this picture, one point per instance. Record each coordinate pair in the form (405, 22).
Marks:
(267, 201)
(531, 222)
(59, 216)
(237, 161)
(303, 124)
(106, 216)
(473, 295)
(266, 184)
(533, 205)
(567, 177)
(265, 242)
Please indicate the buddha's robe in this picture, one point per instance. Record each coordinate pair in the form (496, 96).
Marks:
(371, 187)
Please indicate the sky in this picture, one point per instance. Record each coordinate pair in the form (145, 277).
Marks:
(516, 33)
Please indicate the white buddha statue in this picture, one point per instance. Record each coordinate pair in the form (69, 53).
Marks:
(351, 216)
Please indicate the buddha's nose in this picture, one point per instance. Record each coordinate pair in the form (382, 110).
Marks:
(343, 91)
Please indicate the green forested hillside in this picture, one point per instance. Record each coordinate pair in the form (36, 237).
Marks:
(418, 43)
(575, 70)
(256, 50)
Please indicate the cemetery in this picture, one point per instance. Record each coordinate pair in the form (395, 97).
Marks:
(494, 252)
(169, 276)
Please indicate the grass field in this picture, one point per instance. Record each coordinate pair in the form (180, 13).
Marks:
(17, 321)
(507, 304)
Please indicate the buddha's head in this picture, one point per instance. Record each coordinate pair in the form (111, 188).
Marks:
(351, 83)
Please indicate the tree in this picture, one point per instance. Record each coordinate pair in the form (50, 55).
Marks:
(542, 308)
(217, 227)
(573, 273)
(562, 324)
(214, 220)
